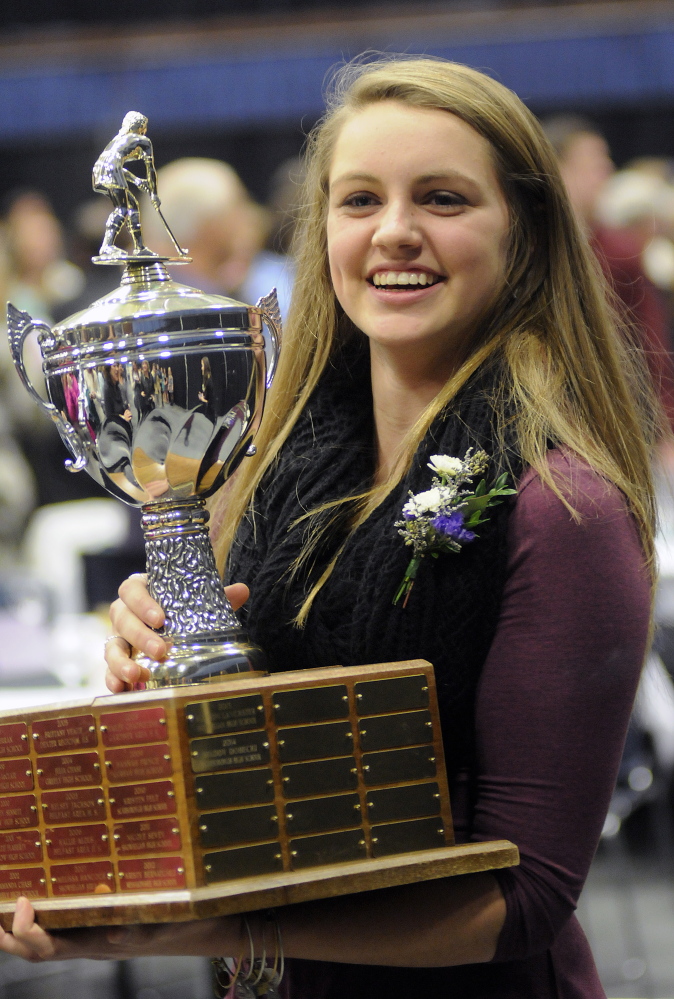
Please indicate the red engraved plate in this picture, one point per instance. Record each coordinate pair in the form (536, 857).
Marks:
(86, 804)
(13, 739)
(152, 874)
(15, 775)
(142, 799)
(18, 812)
(138, 763)
(153, 836)
(82, 879)
(133, 728)
(75, 842)
(29, 881)
(20, 847)
(54, 734)
(68, 771)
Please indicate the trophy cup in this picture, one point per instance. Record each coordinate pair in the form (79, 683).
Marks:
(157, 391)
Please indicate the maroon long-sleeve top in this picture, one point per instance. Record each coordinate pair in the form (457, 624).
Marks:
(553, 705)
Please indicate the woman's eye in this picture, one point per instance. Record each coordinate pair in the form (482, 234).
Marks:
(360, 200)
(445, 199)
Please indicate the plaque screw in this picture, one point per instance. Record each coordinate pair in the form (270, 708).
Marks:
(167, 756)
(436, 795)
(112, 801)
(207, 867)
(285, 780)
(104, 837)
(289, 816)
(440, 832)
(366, 766)
(274, 818)
(359, 697)
(190, 717)
(97, 766)
(431, 759)
(370, 804)
(345, 697)
(424, 688)
(265, 745)
(375, 839)
(429, 724)
(180, 870)
(121, 874)
(203, 828)
(175, 831)
(357, 808)
(195, 752)
(361, 842)
(363, 731)
(104, 728)
(36, 735)
(45, 805)
(277, 856)
(293, 853)
(276, 707)
(170, 794)
(43, 881)
(108, 763)
(162, 721)
(47, 841)
(110, 875)
(24, 737)
(53, 881)
(28, 772)
(281, 742)
(116, 836)
(33, 808)
(100, 801)
(348, 735)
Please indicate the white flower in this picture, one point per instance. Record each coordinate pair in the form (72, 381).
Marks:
(426, 502)
(443, 464)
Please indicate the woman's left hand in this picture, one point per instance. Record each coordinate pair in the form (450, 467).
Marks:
(200, 938)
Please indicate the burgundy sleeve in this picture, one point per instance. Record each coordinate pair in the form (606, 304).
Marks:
(556, 694)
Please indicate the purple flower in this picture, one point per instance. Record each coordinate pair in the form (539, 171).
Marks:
(452, 526)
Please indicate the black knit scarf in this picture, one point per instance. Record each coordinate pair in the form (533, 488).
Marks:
(451, 615)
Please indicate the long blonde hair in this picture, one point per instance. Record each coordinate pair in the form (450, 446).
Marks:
(573, 374)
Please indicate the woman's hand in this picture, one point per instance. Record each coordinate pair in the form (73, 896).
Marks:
(134, 616)
(201, 938)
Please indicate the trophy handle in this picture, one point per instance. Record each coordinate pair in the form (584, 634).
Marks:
(19, 326)
(269, 308)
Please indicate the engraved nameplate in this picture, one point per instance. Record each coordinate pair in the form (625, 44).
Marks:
(83, 805)
(390, 731)
(238, 825)
(151, 874)
(138, 763)
(59, 734)
(243, 787)
(18, 811)
(77, 842)
(229, 752)
(313, 815)
(396, 765)
(13, 739)
(15, 775)
(230, 714)
(142, 799)
(243, 862)
(407, 802)
(68, 771)
(332, 848)
(20, 847)
(314, 741)
(404, 837)
(133, 728)
(310, 704)
(319, 777)
(395, 693)
(29, 881)
(153, 836)
(83, 879)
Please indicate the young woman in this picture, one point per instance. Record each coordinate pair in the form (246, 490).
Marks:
(444, 300)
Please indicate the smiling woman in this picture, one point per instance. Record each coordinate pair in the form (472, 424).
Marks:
(448, 323)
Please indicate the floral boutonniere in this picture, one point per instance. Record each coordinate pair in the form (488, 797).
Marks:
(442, 519)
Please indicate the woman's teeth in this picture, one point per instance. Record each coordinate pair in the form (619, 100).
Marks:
(402, 278)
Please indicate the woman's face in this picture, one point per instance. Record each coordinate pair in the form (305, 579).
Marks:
(417, 228)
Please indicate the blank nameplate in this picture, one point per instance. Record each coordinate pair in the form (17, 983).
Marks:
(331, 848)
(322, 814)
(243, 787)
(400, 693)
(390, 731)
(310, 704)
(402, 837)
(407, 802)
(244, 862)
(397, 765)
(238, 825)
(314, 741)
(300, 780)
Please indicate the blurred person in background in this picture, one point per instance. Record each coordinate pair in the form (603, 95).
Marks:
(587, 168)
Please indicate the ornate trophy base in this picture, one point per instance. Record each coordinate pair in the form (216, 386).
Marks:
(207, 641)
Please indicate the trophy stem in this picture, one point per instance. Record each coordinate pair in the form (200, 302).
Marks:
(207, 641)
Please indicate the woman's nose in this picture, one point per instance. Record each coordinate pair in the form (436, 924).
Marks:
(396, 228)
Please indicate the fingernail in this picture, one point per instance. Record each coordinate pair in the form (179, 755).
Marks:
(130, 673)
(156, 618)
(155, 648)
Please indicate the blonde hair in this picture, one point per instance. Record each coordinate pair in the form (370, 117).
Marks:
(570, 377)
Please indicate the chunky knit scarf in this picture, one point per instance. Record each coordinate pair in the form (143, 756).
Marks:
(452, 612)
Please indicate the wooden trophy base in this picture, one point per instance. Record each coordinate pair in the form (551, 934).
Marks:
(225, 797)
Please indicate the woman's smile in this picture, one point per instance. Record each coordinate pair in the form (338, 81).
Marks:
(417, 227)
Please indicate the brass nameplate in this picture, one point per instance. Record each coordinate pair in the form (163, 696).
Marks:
(18, 812)
(402, 837)
(311, 742)
(300, 780)
(243, 862)
(14, 739)
(153, 836)
(59, 734)
(152, 874)
(80, 879)
(133, 800)
(391, 731)
(314, 815)
(229, 752)
(133, 728)
(243, 787)
(407, 802)
(396, 765)
(73, 842)
(310, 704)
(231, 714)
(29, 881)
(138, 763)
(20, 848)
(331, 848)
(399, 693)
(238, 825)
(68, 771)
(15, 775)
(83, 805)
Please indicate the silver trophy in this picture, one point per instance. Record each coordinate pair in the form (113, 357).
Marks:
(157, 390)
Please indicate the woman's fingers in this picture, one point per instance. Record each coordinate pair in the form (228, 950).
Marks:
(27, 939)
(237, 594)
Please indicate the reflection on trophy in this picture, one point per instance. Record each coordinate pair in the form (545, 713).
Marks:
(157, 390)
